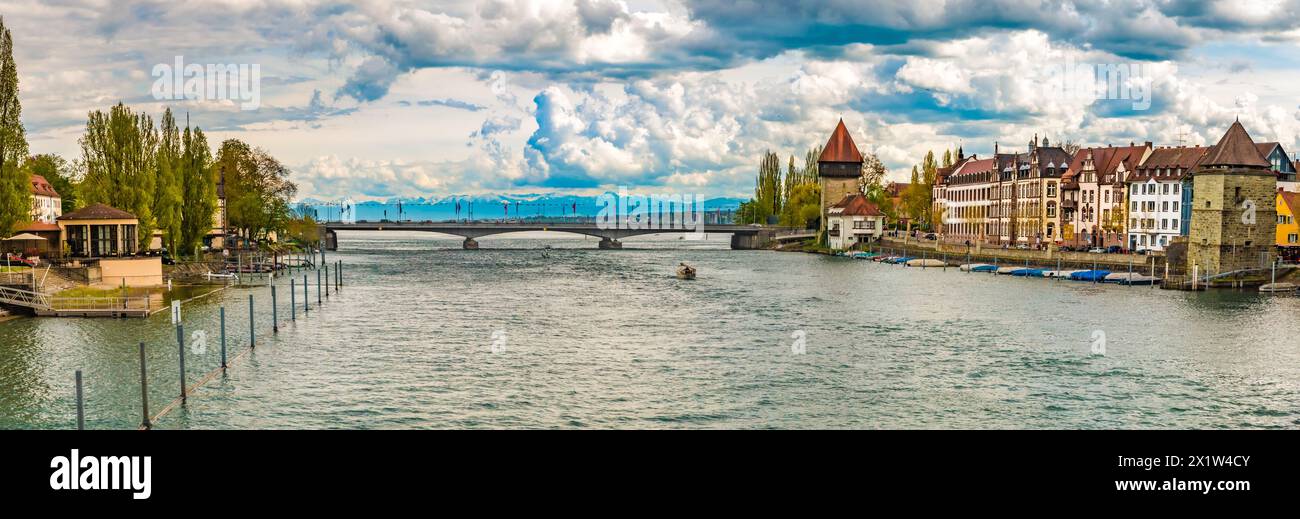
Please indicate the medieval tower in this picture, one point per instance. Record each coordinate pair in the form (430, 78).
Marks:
(838, 169)
(1234, 215)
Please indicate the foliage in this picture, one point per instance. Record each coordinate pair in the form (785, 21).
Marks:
(169, 193)
(199, 187)
(257, 189)
(119, 150)
(15, 195)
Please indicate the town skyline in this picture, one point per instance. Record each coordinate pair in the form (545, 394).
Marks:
(412, 99)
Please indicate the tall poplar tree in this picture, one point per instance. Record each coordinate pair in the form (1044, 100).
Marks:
(120, 150)
(199, 182)
(15, 194)
(169, 188)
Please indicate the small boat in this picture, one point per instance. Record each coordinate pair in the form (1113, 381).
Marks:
(1090, 275)
(1278, 288)
(685, 271)
(1059, 273)
(881, 259)
(1125, 278)
(1027, 273)
(899, 259)
(864, 255)
(923, 263)
(1006, 271)
(977, 267)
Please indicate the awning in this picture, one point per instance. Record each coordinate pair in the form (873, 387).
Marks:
(24, 237)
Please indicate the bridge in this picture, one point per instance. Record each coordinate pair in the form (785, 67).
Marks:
(742, 236)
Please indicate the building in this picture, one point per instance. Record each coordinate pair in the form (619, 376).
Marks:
(1029, 194)
(99, 231)
(967, 192)
(1155, 197)
(839, 169)
(47, 205)
(1095, 190)
(1288, 232)
(1281, 164)
(853, 220)
(1234, 225)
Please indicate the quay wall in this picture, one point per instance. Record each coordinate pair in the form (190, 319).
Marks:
(957, 253)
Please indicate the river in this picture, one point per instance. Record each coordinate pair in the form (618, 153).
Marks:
(425, 335)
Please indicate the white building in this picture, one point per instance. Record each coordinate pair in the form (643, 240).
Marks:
(853, 220)
(47, 205)
(1155, 197)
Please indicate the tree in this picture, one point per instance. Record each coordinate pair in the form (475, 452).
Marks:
(810, 169)
(257, 190)
(15, 193)
(120, 150)
(1071, 147)
(947, 158)
(873, 173)
(59, 173)
(199, 186)
(169, 192)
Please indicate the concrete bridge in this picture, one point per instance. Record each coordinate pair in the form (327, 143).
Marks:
(742, 236)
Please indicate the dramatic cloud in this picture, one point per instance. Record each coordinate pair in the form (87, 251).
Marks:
(406, 98)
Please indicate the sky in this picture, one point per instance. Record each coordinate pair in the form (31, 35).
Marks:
(377, 100)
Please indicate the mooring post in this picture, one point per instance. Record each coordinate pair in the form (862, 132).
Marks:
(180, 341)
(144, 390)
(318, 296)
(81, 408)
(327, 281)
(306, 299)
(293, 300)
(275, 312)
(223, 337)
(1058, 269)
(1094, 271)
(1130, 272)
(252, 338)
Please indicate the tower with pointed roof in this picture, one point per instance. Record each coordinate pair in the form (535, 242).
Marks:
(838, 169)
(1234, 215)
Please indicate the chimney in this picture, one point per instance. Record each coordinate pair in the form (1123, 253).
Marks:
(1148, 143)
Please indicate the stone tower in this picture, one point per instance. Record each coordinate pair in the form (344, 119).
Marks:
(1234, 212)
(838, 169)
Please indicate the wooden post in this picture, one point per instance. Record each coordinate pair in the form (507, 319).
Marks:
(306, 299)
(327, 281)
(81, 408)
(144, 390)
(275, 312)
(252, 327)
(318, 296)
(293, 300)
(180, 341)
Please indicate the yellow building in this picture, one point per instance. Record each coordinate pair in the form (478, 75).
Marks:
(1288, 232)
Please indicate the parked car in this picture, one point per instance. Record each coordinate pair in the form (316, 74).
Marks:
(932, 236)
(1097, 250)
(1022, 246)
(1065, 248)
(1114, 249)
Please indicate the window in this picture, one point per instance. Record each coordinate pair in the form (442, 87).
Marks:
(1175, 227)
(1135, 206)
(1175, 206)
(1051, 210)
(1164, 206)
(1292, 238)
(1164, 189)
(1176, 187)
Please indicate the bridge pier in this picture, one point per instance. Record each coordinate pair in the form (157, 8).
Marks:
(469, 244)
(607, 243)
(331, 240)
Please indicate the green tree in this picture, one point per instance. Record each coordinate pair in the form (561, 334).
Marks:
(804, 205)
(120, 150)
(169, 190)
(257, 190)
(15, 193)
(199, 183)
(59, 173)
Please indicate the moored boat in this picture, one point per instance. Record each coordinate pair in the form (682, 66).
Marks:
(1277, 288)
(977, 267)
(1027, 272)
(864, 255)
(1127, 278)
(929, 262)
(1090, 275)
(1059, 273)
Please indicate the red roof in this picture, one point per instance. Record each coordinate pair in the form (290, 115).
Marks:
(1292, 200)
(98, 212)
(1106, 162)
(1235, 149)
(841, 147)
(854, 205)
(42, 187)
(39, 227)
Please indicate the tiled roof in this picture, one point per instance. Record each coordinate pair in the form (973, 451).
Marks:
(98, 212)
(1292, 200)
(1235, 149)
(39, 227)
(1177, 161)
(840, 148)
(854, 205)
(42, 187)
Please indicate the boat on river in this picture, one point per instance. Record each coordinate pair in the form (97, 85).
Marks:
(1090, 275)
(685, 271)
(978, 267)
(1126, 278)
(926, 262)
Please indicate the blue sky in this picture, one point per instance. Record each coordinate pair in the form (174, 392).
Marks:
(386, 99)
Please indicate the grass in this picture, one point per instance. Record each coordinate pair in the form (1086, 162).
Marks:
(104, 292)
(23, 268)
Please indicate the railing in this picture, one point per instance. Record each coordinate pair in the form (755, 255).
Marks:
(98, 303)
(25, 298)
